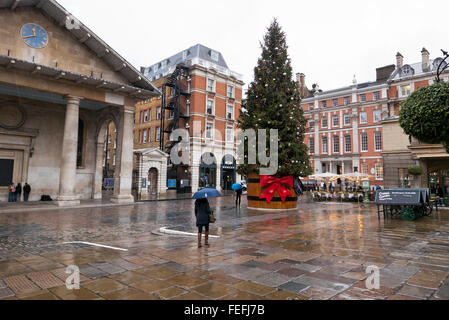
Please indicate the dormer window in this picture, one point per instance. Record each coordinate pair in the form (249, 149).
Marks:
(407, 71)
(437, 62)
(214, 55)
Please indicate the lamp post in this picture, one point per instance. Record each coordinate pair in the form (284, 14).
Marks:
(442, 66)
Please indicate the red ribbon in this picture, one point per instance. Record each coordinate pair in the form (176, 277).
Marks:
(276, 184)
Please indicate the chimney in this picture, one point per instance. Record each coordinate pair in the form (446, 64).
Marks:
(425, 59)
(301, 78)
(399, 60)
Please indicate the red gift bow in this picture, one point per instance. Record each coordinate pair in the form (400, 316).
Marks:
(276, 184)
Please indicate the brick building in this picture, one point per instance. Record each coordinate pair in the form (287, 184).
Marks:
(356, 128)
(344, 128)
(401, 151)
(206, 103)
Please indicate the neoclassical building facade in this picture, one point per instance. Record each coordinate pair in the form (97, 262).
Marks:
(60, 87)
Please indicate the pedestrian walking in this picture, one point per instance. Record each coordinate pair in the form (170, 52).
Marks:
(238, 198)
(202, 211)
(26, 191)
(18, 192)
(12, 190)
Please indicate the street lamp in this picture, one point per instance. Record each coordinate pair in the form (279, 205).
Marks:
(443, 65)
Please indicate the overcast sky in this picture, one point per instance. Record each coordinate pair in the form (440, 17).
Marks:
(329, 41)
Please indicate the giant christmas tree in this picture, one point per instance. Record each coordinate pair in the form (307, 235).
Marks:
(273, 102)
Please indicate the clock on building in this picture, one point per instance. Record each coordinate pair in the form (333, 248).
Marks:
(34, 36)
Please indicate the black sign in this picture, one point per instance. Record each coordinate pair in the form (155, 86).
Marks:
(401, 196)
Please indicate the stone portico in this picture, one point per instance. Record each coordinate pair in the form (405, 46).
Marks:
(56, 102)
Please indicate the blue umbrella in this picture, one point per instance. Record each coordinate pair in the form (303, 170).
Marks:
(237, 186)
(206, 194)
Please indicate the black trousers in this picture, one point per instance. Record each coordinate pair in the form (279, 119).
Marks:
(238, 200)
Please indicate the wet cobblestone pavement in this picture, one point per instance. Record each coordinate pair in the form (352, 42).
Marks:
(320, 251)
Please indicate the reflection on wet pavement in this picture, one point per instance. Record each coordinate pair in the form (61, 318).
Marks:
(320, 251)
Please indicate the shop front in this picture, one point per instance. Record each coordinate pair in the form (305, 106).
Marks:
(228, 172)
(208, 171)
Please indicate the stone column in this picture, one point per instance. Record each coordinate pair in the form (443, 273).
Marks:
(98, 178)
(67, 176)
(124, 158)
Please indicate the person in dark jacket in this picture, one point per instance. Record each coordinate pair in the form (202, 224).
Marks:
(202, 210)
(238, 199)
(18, 193)
(26, 192)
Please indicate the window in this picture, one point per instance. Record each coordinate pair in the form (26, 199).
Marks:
(335, 102)
(209, 130)
(158, 113)
(149, 135)
(230, 112)
(335, 121)
(214, 55)
(364, 142)
(210, 85)
(145, 136)
(113, 160)
(378, 141)
(363, 117)
(312, 124)
(404, 178)
(324, 122)
(324, 145)
(362, 97)
(377, 115)
(347, 100)
(171, 114)
(229, 134)
(115, 144)
(230, 91)
(376, 95)
(336, 144)
(311, 145)
(109, 139)
(379, 171)
(323, 104)
(364, 168)
(210, 107)
(158, 134)
(347, 119)
(405, 90)
(140, 137)
(145, 116)
(348, 147)
(108, 154)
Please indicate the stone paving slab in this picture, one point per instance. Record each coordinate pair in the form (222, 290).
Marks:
(5, 293)
(45, 280)
(21, 284)
(272, 279)
(416, 292)
(107, 267)
(294, 287)
(92, 272)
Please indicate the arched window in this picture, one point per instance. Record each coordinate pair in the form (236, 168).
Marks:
(79, 156)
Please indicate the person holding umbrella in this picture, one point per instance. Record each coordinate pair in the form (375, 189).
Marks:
(203, 212)
(238, 188)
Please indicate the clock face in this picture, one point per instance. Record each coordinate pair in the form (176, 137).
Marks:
(34, 35)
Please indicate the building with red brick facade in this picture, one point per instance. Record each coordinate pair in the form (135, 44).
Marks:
(356, 128)
(345, 130)
(206, 102)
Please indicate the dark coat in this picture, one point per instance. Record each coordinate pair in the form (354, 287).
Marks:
(202, 210)
(18, 189)
(27, 188)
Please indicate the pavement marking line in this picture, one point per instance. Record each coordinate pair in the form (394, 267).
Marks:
(96, 245)
(181, 233)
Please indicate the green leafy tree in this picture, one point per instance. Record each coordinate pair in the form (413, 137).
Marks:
(274, 102)
(425, 114)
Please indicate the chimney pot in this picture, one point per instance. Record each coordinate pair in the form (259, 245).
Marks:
(425, 59)
(399, 60)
